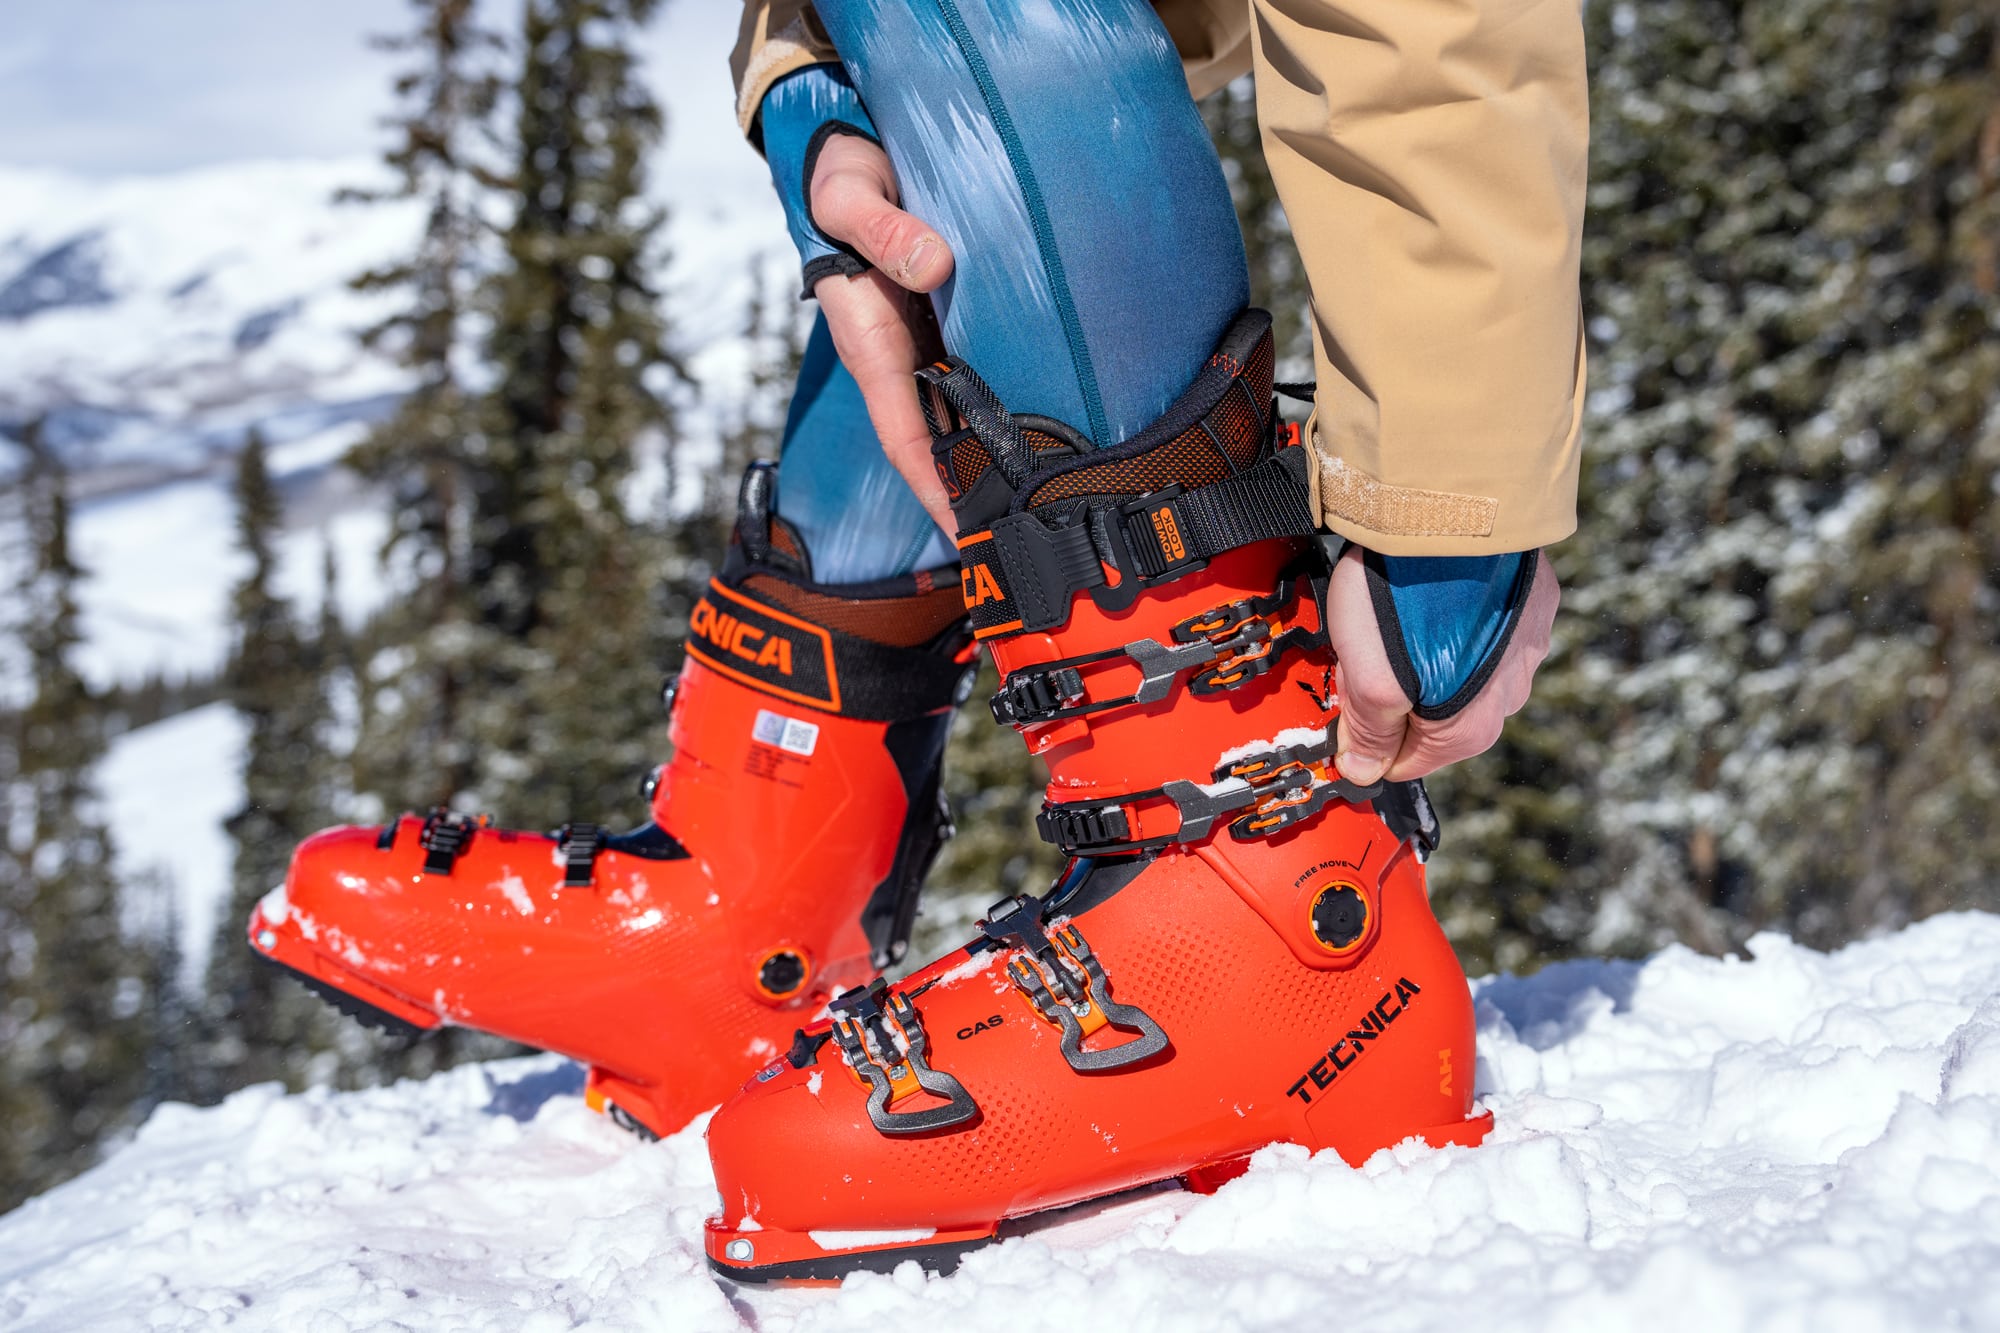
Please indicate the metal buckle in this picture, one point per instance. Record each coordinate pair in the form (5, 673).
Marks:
(1224, 646)
(883, 1042)
(1066, 984)
(445, 836)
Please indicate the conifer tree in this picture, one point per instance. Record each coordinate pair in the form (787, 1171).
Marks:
(1776, 684)
(254, 1026)
(581, 359)
(413, 744)
(74, 1031)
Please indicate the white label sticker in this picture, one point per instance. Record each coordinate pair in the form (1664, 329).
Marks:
(787, 733)
(769, 727)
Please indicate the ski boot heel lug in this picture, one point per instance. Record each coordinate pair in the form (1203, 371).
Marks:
(1212, 1176)
(1467, 1133)
(758, 1256)
(633, 1107)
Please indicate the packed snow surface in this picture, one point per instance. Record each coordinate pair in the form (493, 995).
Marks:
(1790, 1140)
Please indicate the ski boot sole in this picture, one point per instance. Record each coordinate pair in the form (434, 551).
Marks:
(768, 1257)
(626, 1104)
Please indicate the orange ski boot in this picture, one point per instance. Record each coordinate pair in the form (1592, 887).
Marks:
(1240, 951)
(789, 837)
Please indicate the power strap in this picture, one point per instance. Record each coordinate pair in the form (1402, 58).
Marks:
(1021, 572)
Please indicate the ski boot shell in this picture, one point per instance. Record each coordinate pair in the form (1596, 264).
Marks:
(788, 838)
(1241, 951)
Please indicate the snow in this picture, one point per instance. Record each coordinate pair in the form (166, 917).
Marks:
(1789, 1140)
(167, 789)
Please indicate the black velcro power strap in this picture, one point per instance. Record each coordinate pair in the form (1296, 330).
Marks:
(735, 633)
(1266, 501)
(1021, 574)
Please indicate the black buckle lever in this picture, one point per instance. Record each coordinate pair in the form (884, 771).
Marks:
(445, 836)
(1066, 984)
(867, 1023)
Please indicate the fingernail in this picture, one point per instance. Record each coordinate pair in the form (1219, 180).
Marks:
(1359, 769)
(908, 269)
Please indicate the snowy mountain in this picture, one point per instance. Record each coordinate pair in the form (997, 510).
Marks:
(151, 319)
(1786, 1141)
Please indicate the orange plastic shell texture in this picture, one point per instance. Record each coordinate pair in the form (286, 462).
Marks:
(1272, 1034)
(650, 974)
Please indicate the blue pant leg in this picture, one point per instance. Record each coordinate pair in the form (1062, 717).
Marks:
(1054, 146)
(860, 520)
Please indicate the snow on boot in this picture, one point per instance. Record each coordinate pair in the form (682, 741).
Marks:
(1240, 952)
(789, 837)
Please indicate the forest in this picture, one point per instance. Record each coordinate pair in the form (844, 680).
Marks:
(1773, 701)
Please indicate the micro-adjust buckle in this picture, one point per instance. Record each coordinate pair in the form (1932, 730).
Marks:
(1037, 696)
(1282, 787)
(1066, 984)
(580, 844)
(1075, 828)
(1224, 646)
(1152, 537)
(1279, 788)
(445, 836)
(882, 1040)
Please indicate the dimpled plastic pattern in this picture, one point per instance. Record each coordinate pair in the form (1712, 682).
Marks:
(648, 972)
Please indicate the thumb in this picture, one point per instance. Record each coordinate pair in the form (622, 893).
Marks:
(853, 200)
(1370, 731)
(1374, 711)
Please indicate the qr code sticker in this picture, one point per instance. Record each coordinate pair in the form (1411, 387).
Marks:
(800, 738)
(787, 733)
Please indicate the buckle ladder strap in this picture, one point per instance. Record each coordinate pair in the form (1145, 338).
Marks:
(882, 1040)
(1281, 788)
(1067, 985)
(580, 845)
(445, 836)
(1226, 647)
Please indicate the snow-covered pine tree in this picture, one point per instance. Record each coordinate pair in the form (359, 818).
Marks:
(253, 1025)
(1776, 695)
(412, 749)
(562, 574)
(75, 1026)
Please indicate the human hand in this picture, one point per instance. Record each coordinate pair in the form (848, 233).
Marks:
(1379, 737)
(880, 320)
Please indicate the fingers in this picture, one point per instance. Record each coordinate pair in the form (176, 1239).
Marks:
(1374, 711)
(873, 332)
(854, 200)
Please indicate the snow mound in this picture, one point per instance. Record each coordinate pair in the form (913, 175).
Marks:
(1788, 1141)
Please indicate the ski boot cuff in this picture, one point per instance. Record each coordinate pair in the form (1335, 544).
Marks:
(1044, 517)
(881, 651)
